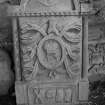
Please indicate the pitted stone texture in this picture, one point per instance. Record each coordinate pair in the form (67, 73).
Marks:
(6, 75)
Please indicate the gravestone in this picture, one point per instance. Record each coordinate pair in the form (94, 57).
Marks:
(51, 52)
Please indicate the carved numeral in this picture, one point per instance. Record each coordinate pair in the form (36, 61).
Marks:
(37, 95)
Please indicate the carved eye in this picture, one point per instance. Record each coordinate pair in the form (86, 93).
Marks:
(73, 30)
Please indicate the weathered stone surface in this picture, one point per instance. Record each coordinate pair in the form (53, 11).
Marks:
(48, 52)
(6, 74)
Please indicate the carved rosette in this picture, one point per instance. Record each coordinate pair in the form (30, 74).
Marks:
(51, 51)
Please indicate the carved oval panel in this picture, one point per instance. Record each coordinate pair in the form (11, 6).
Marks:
(51, 52)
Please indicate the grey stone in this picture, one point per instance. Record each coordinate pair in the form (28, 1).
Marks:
(6, 74)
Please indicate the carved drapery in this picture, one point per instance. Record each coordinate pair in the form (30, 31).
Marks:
(51, 47)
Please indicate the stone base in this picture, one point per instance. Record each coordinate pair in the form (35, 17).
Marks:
(21, 93)
(83, 91)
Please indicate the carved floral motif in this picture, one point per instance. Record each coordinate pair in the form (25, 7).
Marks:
(50, 50)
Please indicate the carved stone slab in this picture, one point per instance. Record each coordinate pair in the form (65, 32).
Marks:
(50, 48)
(53, 93)
(49, 5)
(51, 58)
